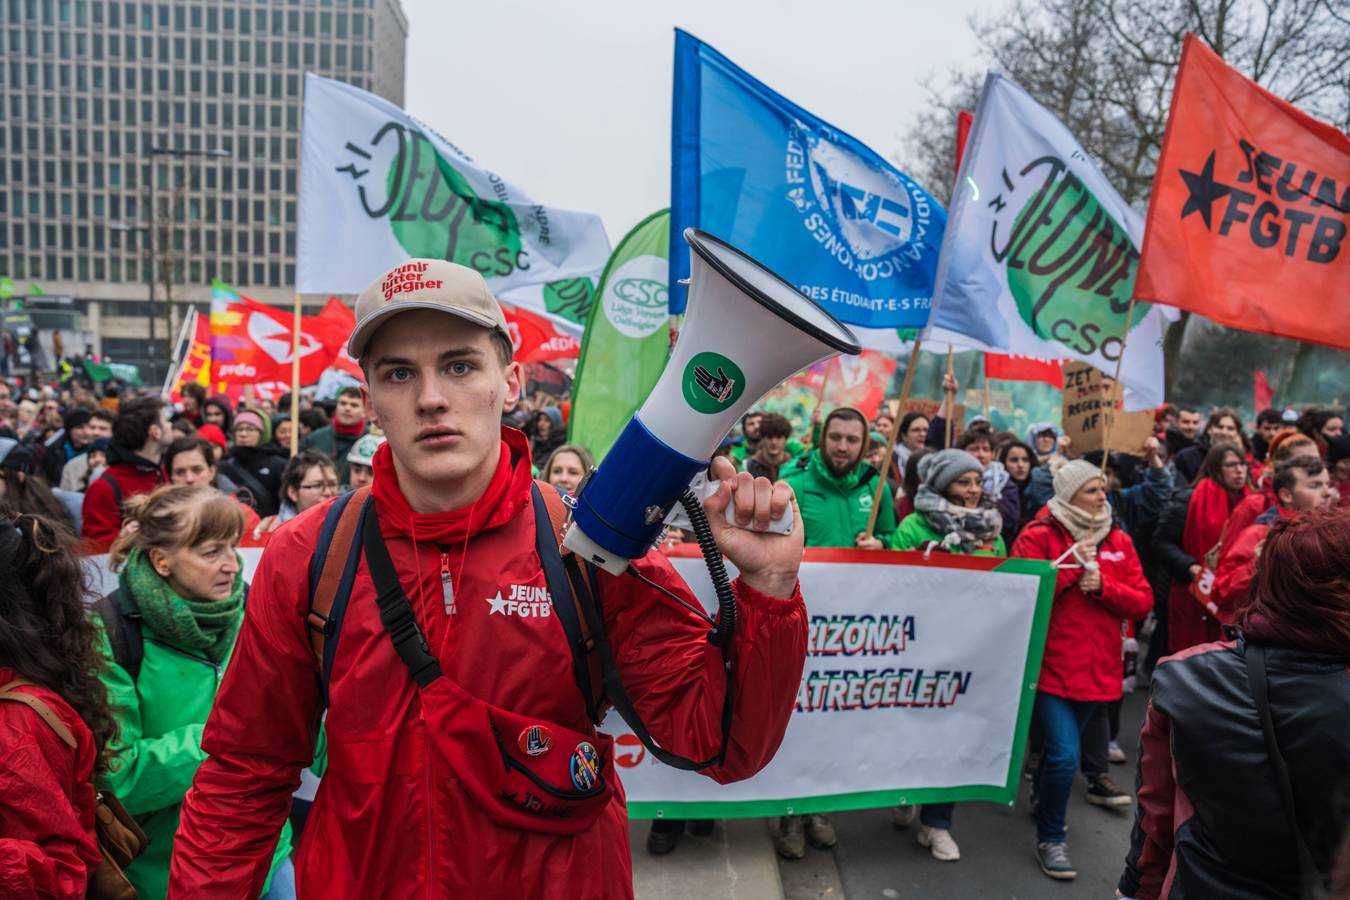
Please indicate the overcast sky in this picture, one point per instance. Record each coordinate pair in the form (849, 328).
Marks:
(570, 100)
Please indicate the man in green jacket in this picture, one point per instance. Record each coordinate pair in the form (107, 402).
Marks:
(835, 486)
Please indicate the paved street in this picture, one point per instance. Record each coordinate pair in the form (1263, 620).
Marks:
(874, 860)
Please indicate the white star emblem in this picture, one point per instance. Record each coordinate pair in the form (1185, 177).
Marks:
(497, 603)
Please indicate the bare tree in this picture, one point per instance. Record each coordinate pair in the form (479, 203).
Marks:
(1106, 69)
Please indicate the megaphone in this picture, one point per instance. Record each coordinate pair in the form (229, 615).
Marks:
(746, 329)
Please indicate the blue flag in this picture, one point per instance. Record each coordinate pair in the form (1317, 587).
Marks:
(817, 206)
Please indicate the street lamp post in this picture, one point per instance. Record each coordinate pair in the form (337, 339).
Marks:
(151, 153)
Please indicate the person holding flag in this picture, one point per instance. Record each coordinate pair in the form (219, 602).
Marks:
(453, 665)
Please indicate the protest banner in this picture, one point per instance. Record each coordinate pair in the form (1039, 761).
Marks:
(929, 666)
(820, 208)
(377, 186)
(1089, 420)
(1039, 255)
(627, 340)
(1250, 208)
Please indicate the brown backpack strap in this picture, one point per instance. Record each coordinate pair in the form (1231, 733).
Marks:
(325, 592)
(557, 516)
(40, 707)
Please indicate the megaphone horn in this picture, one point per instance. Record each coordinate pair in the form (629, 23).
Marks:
(745, 330)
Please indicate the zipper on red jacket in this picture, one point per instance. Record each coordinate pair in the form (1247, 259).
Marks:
(447, 582)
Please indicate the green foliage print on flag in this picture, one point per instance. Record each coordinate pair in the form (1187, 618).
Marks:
(627, 337)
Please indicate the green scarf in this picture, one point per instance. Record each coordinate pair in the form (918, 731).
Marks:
(204, 626)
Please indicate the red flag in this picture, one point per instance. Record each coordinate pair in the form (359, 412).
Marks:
(1265, 394)
(536, 338)
(251, 343)
(196, 366)
(964, 119)
(334, 325)
(1248, 220)
(1005, 367)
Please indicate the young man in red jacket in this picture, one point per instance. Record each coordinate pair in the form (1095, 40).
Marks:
(431, 717)
(140, 436)
(1300, 484)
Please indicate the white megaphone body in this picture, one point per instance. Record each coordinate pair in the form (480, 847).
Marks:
(746, 329)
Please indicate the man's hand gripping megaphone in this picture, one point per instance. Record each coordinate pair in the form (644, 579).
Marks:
(767, 562)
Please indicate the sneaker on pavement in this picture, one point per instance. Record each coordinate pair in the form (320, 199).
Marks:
(820, 832)
(939, 842)
(1054, 860)
(790, 838)
(904, 816)
(1116, 754)
(1102, 791)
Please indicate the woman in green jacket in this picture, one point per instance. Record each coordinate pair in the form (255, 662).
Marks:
(182, 589)
(951, 513)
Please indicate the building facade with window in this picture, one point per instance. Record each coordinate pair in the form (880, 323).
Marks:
(88, 88)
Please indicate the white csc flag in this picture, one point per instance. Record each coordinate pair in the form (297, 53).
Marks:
(377, 187)
(1040, 252)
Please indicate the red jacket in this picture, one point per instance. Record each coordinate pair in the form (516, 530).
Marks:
(1237, 564)
(102, 512)
(1083, 644)
(1249, 509)
(47, 845)
(389, 819)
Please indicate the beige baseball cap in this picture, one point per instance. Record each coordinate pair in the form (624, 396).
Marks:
(425, 284)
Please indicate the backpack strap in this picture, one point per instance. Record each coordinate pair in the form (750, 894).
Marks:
(122, 624)
(331, 576)
(550, 518)
(40, 707)
(116, 488)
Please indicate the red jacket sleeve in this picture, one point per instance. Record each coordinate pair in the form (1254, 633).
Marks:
(1125, 591)
(1151, 842)
(242, 792)
(102, 517)
(1235, 569)
(47, 845)
(676, 679)
(1042, 542)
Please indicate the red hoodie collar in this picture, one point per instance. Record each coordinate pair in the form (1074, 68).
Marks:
(507, 494)
(349, 430)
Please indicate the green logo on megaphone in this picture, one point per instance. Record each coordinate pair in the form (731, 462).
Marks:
(712, 383)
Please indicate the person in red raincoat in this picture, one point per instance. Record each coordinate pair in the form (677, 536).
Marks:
(1192, 525)
(396, 814)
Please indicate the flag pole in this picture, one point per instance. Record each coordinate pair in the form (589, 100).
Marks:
(1109, 418)
(295, 378)
(189, 322)
(987, 413)
(951, 410)
(890, 440)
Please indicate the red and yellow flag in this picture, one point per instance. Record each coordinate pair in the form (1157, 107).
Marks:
(1248, 220)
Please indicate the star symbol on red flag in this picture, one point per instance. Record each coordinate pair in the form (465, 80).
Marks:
(1204, 190)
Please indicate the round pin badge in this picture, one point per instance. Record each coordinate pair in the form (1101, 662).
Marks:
(585, 766)
(535, 740)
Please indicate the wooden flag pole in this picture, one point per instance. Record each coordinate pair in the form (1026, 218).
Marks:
(951, 410)
(987, 413)
(295, 378)
(1109, 417)
(890, 440)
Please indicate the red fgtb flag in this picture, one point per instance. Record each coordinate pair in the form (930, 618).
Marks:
(535, 338)
(333, 326)
(1248, 220)
(1006, 367)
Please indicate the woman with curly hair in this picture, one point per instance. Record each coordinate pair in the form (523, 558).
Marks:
(49, 654)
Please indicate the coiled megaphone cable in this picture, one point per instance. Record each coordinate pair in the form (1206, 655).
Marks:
(717, 570)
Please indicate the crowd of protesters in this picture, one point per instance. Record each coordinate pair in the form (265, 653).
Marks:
(1224, 550)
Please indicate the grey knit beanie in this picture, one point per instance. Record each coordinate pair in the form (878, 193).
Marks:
(1071, 475)
(939, 470)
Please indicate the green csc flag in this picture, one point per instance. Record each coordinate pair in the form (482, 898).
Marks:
(627, 337)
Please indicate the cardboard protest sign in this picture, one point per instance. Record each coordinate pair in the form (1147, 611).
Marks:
(1087, 401)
